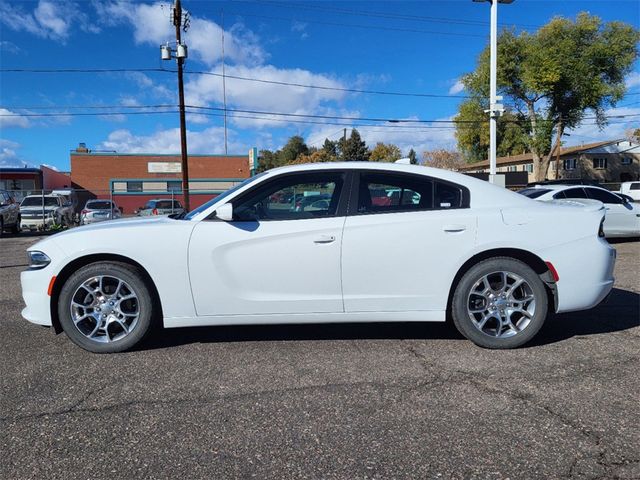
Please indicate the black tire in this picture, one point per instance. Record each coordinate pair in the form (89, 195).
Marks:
(1, 226)
(134, 279)
(488, 337)
(16, 227)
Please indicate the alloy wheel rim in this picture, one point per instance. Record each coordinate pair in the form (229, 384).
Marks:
(105, 308)
(501, 304)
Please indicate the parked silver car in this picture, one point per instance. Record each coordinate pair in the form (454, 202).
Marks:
(99, 211)
(9, 213)
(35, 215)
(161, 206)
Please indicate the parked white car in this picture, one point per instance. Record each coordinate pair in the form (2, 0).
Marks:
(632, 189)
(622, 217)
(99, 211)
(492, 260)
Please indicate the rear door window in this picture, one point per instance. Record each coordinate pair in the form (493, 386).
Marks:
(603, 196)
(577, 192)
(382, 192)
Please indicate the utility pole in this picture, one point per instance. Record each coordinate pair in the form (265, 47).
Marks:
(224, 84)
(177, 21)
(495, 109)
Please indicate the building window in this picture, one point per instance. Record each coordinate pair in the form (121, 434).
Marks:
(570, 164)
(174, 186)
(134, 186)
(626, 161)
(512, 168)
(528, 168)
(599, 163)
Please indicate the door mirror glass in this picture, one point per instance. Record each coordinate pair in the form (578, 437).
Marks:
(225, 212)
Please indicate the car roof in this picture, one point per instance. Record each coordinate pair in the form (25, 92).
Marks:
(558, 187)
(449, 175)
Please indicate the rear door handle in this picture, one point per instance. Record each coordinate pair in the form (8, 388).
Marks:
(454, 228)
(325, 239)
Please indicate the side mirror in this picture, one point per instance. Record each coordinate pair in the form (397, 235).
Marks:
(225, 212)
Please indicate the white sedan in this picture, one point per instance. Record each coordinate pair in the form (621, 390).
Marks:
(622, 217)
(450, 246)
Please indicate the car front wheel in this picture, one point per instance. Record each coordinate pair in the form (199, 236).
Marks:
(500, 303)
(106, 307)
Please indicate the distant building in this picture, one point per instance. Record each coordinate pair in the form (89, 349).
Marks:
(610, 161)
(30, 181)
(133, 179)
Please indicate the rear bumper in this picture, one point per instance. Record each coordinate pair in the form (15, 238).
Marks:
(585, 270)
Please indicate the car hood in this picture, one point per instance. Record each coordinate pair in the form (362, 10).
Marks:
(113, 236)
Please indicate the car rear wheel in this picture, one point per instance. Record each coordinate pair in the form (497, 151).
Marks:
(500, 303)
(106, 307)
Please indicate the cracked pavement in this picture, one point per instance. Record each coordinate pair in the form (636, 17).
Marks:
(325, 401)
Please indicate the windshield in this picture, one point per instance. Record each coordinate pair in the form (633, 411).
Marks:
(37, 202)
(100, 205)
(222, 196)
(534, 192)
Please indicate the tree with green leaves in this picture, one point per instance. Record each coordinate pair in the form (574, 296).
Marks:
(293, 149)
(473, 136)
(385, 152)
(330, 147)
(553, 80)
(353, 148)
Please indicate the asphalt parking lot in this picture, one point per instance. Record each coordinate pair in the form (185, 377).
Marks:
(334, 401)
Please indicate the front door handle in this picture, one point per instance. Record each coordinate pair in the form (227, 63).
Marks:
(325, 239)
(454, 228)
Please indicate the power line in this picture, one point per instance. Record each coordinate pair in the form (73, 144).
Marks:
(386, 15)
(356, 25)
(266, 115)
(235, 77)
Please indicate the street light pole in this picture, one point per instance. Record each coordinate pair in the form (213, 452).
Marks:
(493, 90)
(177, 21)
(495, 109)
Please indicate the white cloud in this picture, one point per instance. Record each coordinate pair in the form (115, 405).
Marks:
(9, 156)
(267, 97)
(151, 25)
(210, 140)
(9, 47)
(53, 20)
(633, 80)
(614, 130)
(456, 88)
(7, 119)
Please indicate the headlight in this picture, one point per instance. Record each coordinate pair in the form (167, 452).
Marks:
(38, 260)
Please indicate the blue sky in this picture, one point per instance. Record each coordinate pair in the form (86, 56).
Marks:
(416, 47)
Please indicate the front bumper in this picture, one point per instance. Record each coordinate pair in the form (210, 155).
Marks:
(31, 223)
(35, 286)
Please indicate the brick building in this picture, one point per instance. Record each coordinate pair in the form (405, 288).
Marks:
(133, 179)
(609, 161)
(31, 181)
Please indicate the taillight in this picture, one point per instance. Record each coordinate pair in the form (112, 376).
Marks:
(554, 272)
(601, 228)
(154, 211)
(84, 212)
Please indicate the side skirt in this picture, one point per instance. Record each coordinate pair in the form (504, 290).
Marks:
(301, 318)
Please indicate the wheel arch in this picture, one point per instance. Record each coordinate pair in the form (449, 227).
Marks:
(80, 262)
(532, 260)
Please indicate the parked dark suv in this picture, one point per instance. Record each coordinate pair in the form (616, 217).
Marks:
(9, 213)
